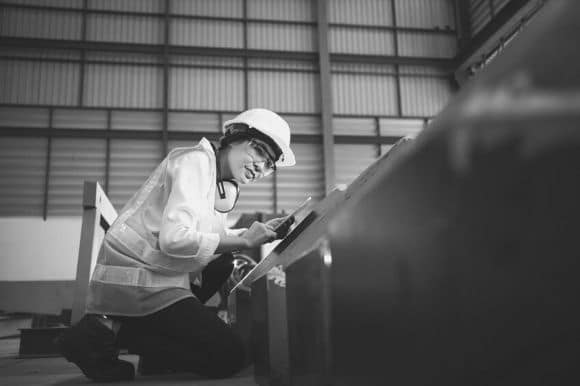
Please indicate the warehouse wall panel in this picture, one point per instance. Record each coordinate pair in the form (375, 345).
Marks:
(296, 10)
(425, 13)
(34, 23)
(284, 91)
(427, 45)
(194, 122)
(360, 41)
(22, 172)
(354, 126)
(124, 28)
(73, 161)
(136, 120)
(351, 160)
(304, 125)
(13, 117)
(48, 3)
(364, 94)
(154, 6)
(79, 119)
(304, 179)
(219, 8)
(401, 127)
(480, 15)
(424, 96)
(123, 86)
(368, 12)
(132, 161)
(28, 82)
(206, 33)
(281, 37)
(206, 89)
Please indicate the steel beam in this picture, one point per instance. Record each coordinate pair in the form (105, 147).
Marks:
(446, 64)
(436, 30)
(34, 132)
(397, 70)
(325, 95)
(165, 58)
(200, 111)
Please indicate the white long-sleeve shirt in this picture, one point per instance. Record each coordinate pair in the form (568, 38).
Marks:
(167, 231)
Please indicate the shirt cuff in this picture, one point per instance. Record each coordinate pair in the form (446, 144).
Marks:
(207, 245)
(235, 232)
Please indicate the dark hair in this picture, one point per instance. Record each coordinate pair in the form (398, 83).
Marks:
(239, 132)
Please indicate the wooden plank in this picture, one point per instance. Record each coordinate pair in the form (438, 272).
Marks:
(98, 213)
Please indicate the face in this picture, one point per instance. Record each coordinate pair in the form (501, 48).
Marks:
(249, 161)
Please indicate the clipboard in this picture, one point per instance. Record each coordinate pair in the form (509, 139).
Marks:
(292, 216)
(266, 264)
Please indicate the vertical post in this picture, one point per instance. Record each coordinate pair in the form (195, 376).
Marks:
(245, 42)
(165, 112)
(81, 90)
(325, 95)
(396, 54)
(275, 193)
(378, 133)
(47, 165)
(108, 152)
(98, 215)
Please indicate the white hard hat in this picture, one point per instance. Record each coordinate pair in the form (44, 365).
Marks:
(272, 125)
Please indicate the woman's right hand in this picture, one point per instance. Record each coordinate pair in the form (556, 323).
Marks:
(258, 234)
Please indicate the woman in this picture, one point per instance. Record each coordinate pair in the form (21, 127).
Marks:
(172, 229)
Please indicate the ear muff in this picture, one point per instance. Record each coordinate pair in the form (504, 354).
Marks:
(227, 192)
(226, 197)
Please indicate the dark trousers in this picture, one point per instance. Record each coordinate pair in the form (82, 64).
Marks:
(187, 336)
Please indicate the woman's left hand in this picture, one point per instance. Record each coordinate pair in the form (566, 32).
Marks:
(275, 222)
(281, 231)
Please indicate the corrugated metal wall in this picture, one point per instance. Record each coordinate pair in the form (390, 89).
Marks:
(132, 160)
(112, 90)
(351, 160)
(294, 184)
(482, 11)
(32, 23)
(72, 161)
(426, 13)
(43, 83)
(22, 172)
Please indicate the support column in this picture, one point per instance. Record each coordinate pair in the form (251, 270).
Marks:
(396, 54)
(325, 95)
(165, 112)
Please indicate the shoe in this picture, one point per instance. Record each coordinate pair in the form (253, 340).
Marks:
(91, 346)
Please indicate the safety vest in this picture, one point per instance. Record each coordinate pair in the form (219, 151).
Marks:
(133, 275)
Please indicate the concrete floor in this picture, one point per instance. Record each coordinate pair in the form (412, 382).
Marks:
(57, 371)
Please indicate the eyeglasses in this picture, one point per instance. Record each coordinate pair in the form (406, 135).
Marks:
(264, 154)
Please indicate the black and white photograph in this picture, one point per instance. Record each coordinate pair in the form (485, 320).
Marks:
(290, 192)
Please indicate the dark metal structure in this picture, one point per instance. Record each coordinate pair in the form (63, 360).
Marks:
(455, 263)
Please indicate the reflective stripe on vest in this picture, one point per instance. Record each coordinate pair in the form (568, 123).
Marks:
(137, 277)
(131, 240)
